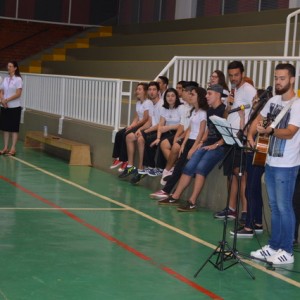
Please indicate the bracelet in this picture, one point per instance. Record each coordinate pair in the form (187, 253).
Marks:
(272, 131)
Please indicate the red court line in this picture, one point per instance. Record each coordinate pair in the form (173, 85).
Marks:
(114, 240)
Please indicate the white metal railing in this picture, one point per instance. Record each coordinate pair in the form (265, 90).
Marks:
(291, 31)
(95, 100)
(197, 68)
(108, 102)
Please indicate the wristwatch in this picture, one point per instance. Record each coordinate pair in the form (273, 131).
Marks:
(272, 132)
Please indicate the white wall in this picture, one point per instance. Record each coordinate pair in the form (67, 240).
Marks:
(185, 9)
(294, 3)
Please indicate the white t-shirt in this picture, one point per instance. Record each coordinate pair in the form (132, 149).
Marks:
(141, 107)
(283, 152)
(196, 118)
(185, 119)
(242, 96)
(172, 116)
(9, 87)
(156, 112)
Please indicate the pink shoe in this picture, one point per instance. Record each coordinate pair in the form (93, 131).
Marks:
(159, 195)
(116, 163)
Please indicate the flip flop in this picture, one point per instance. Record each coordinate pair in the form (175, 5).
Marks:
(11, 153)
(4, 151)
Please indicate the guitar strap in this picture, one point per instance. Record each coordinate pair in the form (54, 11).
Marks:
(282, 113)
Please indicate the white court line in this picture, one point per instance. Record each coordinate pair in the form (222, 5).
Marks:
(157, 221)
(64, 208)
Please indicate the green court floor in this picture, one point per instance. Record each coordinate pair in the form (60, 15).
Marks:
(80, 233)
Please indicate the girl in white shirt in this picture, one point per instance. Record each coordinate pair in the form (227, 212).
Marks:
(192, 141)
(144, 108)
(171, 114)
(10, 101)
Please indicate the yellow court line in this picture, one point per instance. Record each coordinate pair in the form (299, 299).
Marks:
(65, 208)
(177, 230)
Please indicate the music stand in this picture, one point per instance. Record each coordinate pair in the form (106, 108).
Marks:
(223, 251)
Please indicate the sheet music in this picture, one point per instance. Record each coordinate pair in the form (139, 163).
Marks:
(228, 133)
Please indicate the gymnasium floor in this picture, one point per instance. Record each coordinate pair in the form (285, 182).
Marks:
(80, 233)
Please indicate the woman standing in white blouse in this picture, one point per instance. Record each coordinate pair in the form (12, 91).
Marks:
(10, 101)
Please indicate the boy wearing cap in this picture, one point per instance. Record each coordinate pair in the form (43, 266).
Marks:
(205, 158)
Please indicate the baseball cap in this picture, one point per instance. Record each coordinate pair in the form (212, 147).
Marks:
(217, 88)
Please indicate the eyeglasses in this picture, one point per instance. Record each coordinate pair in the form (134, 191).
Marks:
(214, 76)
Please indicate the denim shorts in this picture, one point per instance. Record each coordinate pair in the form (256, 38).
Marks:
(203, 161)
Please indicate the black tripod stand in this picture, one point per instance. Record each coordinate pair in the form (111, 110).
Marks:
(223, 252)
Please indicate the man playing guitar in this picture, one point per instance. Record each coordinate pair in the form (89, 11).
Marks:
(282, 165)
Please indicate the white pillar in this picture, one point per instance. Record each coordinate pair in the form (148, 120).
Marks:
(185, 9)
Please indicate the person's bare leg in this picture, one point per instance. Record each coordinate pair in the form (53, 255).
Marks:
(130, 139)
(233, 193)
(198, 185)
(173, 156)
(5, 139)
(243, 193)
(141, 147)
(184, 181)
(165, 147)
(15, 136)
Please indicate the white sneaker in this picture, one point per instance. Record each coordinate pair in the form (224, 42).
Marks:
(166, 175)
(281, 257)
(163, 182)
(263, 253)
(142, 171)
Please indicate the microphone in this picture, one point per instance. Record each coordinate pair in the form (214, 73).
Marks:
(233, 85)
(242, 107)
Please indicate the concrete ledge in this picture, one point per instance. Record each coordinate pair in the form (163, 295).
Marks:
(213, 196)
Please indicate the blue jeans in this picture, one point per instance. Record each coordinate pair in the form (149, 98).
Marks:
(203, 161)
(280, 187)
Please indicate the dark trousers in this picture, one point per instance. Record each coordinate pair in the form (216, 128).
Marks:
(120, 147)
(253, 192)
(181, 162)
(149, 152)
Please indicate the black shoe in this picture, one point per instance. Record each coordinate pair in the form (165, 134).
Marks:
(242, 232)
(137, 178)
(169, 201)
(187, 207)
(225, 212)
(128, 171)
(258, 229)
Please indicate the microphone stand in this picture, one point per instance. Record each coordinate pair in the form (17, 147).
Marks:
(261, 103)
(226, 256)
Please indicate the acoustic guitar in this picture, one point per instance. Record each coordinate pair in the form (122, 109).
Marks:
(262, 146)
